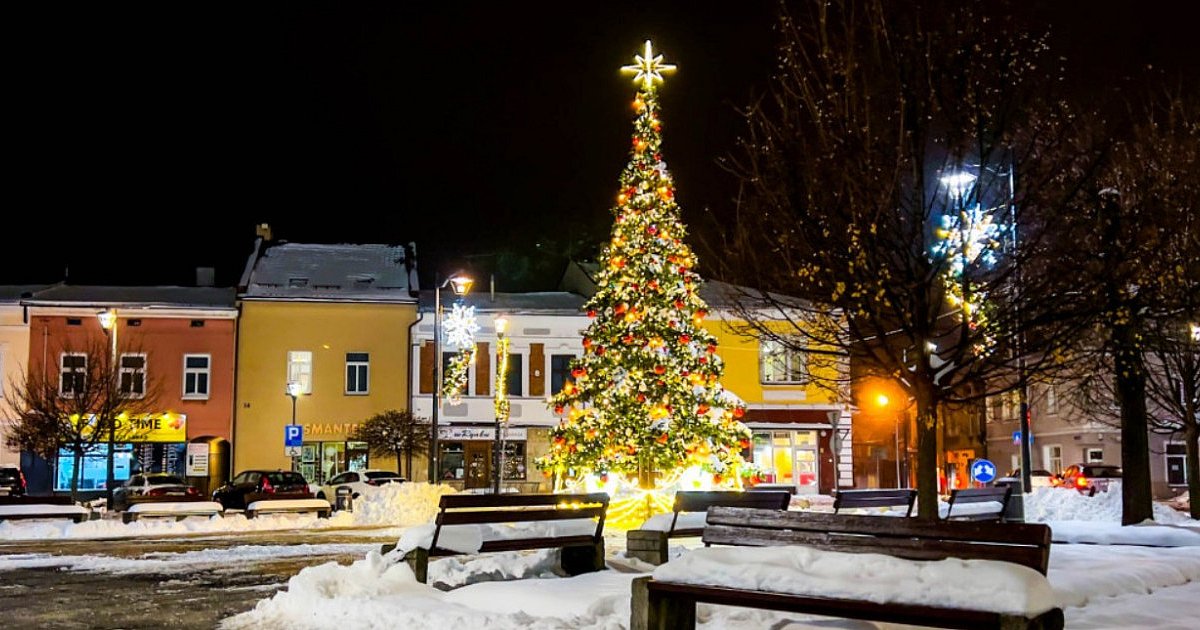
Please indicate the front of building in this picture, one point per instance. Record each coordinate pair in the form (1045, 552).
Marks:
(176, 349)
(14, 356)
(335, 320)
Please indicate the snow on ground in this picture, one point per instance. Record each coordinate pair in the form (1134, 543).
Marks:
(393, 505)
(1106, 533)
(1066, 504)
(164, 562)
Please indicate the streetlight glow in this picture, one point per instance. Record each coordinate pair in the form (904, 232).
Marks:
(501, 325)
(1196, 333)
(958, 183)
(294, 389)
(461, 284)
(108, 319)
(882, 400)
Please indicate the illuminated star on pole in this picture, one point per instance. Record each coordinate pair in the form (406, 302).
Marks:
(648, 68)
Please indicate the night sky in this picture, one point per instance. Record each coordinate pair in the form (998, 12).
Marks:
(143, 142)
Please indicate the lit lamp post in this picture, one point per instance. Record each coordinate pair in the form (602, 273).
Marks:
(293, 390)
(108, 321)
(502, 404)
(461, 285)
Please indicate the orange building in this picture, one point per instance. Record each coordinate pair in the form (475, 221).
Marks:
(176, 345)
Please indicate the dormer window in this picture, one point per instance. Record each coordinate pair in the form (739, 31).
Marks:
(297, 283)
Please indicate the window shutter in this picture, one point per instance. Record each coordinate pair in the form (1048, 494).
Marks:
(483, 369)
(425, 381)
(537, 370)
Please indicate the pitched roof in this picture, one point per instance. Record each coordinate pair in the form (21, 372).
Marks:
(157, 296)
(344, 272)
(14, 293)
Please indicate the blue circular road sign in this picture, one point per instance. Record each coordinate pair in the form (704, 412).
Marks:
(983, 471)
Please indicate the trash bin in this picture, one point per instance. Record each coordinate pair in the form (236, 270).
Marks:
(344, 500)
(1014, 512)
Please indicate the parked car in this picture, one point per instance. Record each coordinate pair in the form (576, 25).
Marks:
(258, 485)
(1090, 478)
(1038, 478)
(359, 482)
(12, 482)
(153, 485)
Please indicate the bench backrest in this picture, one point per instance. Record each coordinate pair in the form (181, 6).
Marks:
(469, 509)
(912, 539)
(997, 494)
(888, 497)
(700, 501)
(27, 500)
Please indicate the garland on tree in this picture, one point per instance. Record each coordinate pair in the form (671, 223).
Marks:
(646, 394)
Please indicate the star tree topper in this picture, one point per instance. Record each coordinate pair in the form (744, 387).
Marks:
(648, 68)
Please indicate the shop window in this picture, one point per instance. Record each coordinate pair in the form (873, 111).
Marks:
(560, 371)
(196, 374)
(781, 363)
(358, 365)
(73, 377)
(514, 461)
(1176, 471)
(93, 467)
(357, 456)
(515, 378)
(133, 375)
(453, 460)
(300, 369)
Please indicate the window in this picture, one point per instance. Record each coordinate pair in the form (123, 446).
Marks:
(133, 375)
(560, 371)
(1054, 461)
(196, 375)
(357, 372)
(515, 375)
(1094, 455)
(779, 363)
(300, 369)
(1051, 399)
(73, 378)
(1176, 472)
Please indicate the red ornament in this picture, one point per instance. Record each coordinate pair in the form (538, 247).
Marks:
(744, 443)
(587, 342)
(702, 409)
(599, 351)
(662, 439)
(682, 339)
(711, 348)
(738, 412)
(717, 478)
(627, 339)
(620, 308)
(682, 269)
(558, 409)
(660, 369)
(652, 229)
(578, 372)
(641, 398)
(703, 360)
(592, 314)
(603, 477)
(679, 304)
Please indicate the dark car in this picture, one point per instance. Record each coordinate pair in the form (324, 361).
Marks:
(12, 482)
(260, 485)
(153, 486)
(1090, 478)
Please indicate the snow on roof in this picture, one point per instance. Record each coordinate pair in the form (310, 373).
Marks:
(14, 293)
(350, 272)
(161, 296)
(513, 303)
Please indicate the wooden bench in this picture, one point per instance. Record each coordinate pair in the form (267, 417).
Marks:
(29, 508)
(289, 506)
(888, 497)
(999, 495)
(669, 605)
(160, 507)
(651, 545)
(581, 553)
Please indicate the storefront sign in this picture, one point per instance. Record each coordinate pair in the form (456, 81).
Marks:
(197, 460)
(478, 433)
(330, 430)
(160, 427)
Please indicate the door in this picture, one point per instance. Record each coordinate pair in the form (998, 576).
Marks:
(807, 463)
(479, 469)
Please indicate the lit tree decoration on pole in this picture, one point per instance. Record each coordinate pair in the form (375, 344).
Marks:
(645, 400)
(460, 328)
(968, 239)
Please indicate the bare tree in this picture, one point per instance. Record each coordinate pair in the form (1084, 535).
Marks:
(394, 433)
(900, 174)
(80, 408)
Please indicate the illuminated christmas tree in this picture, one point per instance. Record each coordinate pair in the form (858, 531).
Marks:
(645, 399)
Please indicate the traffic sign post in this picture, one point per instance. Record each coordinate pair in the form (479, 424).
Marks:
(983, 471)
(293, 439)
(1017, 438)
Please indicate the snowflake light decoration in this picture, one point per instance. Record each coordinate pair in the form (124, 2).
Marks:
(460, 326)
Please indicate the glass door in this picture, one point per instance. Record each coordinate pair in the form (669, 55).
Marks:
(333, 459)
(479, 470)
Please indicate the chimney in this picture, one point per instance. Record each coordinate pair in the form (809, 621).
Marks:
(263, 231)
(206, 276)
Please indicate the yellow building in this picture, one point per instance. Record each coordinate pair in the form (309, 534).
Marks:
(14, 358)
(335, 320)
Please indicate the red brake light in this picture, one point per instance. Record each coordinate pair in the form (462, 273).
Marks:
(266, 485)
(1081, 481)
(22, 473)
(157, 492)
(192, 491)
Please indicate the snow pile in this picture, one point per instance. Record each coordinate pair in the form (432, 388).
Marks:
(469, 538)
(399, 505)
(177, 562)
(50, 511)
(687, 520)
(1001, 587)
(1064, 504)
(374, 593)
(1106, 533)
(1088, 575)
(177, 507)
(455, 571)
(114, 528)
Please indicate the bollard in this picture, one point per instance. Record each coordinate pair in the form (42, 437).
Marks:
(1014, 512)
(344, 500)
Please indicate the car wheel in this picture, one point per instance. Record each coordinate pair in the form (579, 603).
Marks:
(1092, 492)
(355, 496)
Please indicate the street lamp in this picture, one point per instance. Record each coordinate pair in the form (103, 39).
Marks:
(293, 390)
(461, 285)
(502, 404)
(108, 321)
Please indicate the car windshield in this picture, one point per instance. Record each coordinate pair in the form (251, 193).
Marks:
(382, 475)
(286, 478)
(164, 480)
(1101, 471)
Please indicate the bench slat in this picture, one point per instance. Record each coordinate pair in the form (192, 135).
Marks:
(698, 501)
(980, 495)
(1034, 534)
(451, 501)
(515, 516)
(853, 609)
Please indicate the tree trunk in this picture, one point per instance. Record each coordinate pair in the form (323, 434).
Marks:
(1136, 496)
(399, 452)
(1191, 434)
(75, 476)
(408, 463)
(109, 481)
(927, 488)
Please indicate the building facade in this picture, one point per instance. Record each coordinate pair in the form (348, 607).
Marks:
(14, 357)
(176, 345)
(336, 320)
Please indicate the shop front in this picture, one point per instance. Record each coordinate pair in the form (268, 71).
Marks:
(327, 452)
(468, 456)
(796, 447)
(148, 444)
